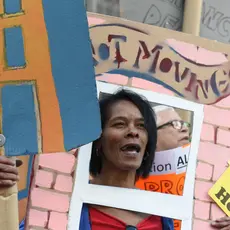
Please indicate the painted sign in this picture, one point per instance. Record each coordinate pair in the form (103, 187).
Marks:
(220, 192)
(43, 79)
(150, 53)
(44, 82)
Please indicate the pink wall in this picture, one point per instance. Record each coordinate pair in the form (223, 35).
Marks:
(52, 186)
(214, 153)
(51, 191)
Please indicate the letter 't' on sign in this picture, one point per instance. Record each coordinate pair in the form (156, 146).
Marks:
(220, 192)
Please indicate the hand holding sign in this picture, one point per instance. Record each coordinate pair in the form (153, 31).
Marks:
(8, 172)
(222, 223)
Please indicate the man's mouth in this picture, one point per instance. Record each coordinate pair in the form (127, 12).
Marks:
(131, 149)
(185, 138)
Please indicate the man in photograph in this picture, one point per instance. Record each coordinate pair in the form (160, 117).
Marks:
(173, 132)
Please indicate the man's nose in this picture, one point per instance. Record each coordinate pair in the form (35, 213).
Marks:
(184, 128)
(132, 132)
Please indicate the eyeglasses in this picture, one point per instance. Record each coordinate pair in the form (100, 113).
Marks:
(130, 227)
(175, 124)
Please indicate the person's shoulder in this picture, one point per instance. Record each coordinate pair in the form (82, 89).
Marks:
(22, 225)
(168, 223)
(84, 220)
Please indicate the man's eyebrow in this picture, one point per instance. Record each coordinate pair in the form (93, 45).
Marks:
(118, 118)
(125, 118)
(141, 119)
(167, 122)
(173, 120)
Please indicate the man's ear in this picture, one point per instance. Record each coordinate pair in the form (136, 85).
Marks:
(157, 145)
(98, 144)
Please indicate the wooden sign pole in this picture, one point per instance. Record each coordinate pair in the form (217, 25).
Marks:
(191, 25)
(9, 218)
(192, 17)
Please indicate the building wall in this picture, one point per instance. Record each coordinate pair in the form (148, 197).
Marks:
(214, 153)
(51, 191)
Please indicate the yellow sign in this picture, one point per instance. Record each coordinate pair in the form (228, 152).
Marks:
(220, 192)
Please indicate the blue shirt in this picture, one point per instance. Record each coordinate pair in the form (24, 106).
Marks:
(22, 225)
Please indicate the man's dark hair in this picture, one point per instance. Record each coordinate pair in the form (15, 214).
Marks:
(150, 124)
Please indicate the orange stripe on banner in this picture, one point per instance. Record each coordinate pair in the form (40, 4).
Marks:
(184, 146)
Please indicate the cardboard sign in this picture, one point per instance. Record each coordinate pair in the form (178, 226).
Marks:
(48, 91)
(168, 172)
(171, 179)
(220, 192)
(44, 80)
(192, 67)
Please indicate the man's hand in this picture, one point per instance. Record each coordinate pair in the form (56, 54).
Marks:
(8, 172)
(222, 223)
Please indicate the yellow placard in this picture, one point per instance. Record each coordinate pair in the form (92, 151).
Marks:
(220, 192)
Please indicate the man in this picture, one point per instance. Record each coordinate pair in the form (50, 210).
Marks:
(173, 132)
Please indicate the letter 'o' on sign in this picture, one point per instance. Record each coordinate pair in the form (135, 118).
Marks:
(104, 51)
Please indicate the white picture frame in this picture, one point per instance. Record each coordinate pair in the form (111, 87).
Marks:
(167, 205)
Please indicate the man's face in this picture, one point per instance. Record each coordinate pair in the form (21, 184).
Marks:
(170, 137)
